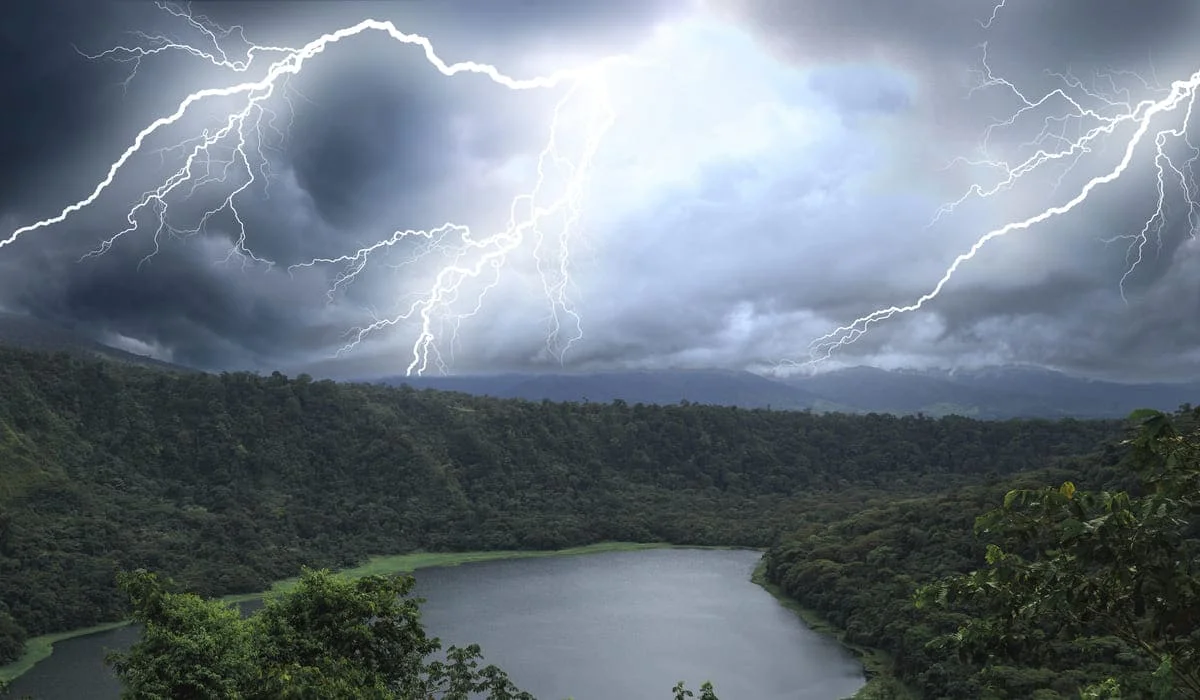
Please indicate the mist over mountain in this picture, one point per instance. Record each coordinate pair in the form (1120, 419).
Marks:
(993, 393)
(29, 333)
(990, 393)
(1076, 396)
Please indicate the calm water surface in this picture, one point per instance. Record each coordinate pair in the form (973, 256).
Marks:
(614, 626)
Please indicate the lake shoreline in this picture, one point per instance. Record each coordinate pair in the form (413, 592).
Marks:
(877, 665)
(39, 648)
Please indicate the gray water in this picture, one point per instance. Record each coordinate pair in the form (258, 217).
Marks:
(614, 626)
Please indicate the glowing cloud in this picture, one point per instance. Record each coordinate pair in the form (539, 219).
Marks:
(1162, 119)
(241, 133)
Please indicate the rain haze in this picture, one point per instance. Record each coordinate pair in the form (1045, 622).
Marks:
(752, 176)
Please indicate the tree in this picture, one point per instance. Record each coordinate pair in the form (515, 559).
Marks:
(1069, 564)
(328, 637)
(190, 647)
(706, 691)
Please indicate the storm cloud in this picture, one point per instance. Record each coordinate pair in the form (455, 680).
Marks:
(772, 173)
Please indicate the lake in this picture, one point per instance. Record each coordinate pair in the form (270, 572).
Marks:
(612, 626)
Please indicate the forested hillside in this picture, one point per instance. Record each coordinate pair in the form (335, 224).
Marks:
(860, 574)
(1090, 579)
(226, 483)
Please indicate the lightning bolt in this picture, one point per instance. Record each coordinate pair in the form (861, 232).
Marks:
(1096, 115)
(231, 156)
(986, 24)
(527, 212)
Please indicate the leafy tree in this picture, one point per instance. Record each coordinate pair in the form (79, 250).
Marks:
(1067, 564)
(12, 636)
(706, 691)
(190, 647)
(328, 637)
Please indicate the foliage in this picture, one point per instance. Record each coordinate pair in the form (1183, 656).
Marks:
(706, 691)
(226, 483)
(1088, 589)
(190, 648)
(1072, 564)
(859, 573)
(329, 637)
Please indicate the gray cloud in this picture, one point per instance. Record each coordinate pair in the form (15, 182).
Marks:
(1048, 295)
(377, 140)
(770, 178)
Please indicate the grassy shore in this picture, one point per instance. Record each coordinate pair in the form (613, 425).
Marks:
(877, 664)
(38, 648)
(408, 563)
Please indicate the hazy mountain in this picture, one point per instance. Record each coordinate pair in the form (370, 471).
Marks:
(1077, 395)
(881, 391)
(35, 334)
(718, 387)
(1001, 392)
(997, 392)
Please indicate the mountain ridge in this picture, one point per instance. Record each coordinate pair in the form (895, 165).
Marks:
(29, 333)
(995, 393)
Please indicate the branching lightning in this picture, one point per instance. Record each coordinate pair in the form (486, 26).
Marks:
(526, 215)
(1098, 114)
(995, 11)
(230, 154)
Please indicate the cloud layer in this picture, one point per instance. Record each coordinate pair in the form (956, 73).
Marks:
(771, 174)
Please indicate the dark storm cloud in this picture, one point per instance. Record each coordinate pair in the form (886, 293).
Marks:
(1049, 295)
(180, 300)
(376, 138)
(55, 102)
(746, 202)
(382, 129)
(369, 138)
(941, 43)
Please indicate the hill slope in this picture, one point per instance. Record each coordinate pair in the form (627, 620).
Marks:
(227, 482)
(28, 333)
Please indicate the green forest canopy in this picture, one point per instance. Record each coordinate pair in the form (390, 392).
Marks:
(226, 483)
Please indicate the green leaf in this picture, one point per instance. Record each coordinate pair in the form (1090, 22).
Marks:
(1143, 415)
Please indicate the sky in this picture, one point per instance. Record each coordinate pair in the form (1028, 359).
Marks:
(753, 175)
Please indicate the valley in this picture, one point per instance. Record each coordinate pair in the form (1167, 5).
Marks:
(229, 482)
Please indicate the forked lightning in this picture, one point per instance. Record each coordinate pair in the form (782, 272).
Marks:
(1161, 119)
(234, 147)
(230, 153)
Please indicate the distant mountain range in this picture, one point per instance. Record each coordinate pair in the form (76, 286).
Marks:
(719, 387)
(35, 334)
(993, 393)
(996, 392)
